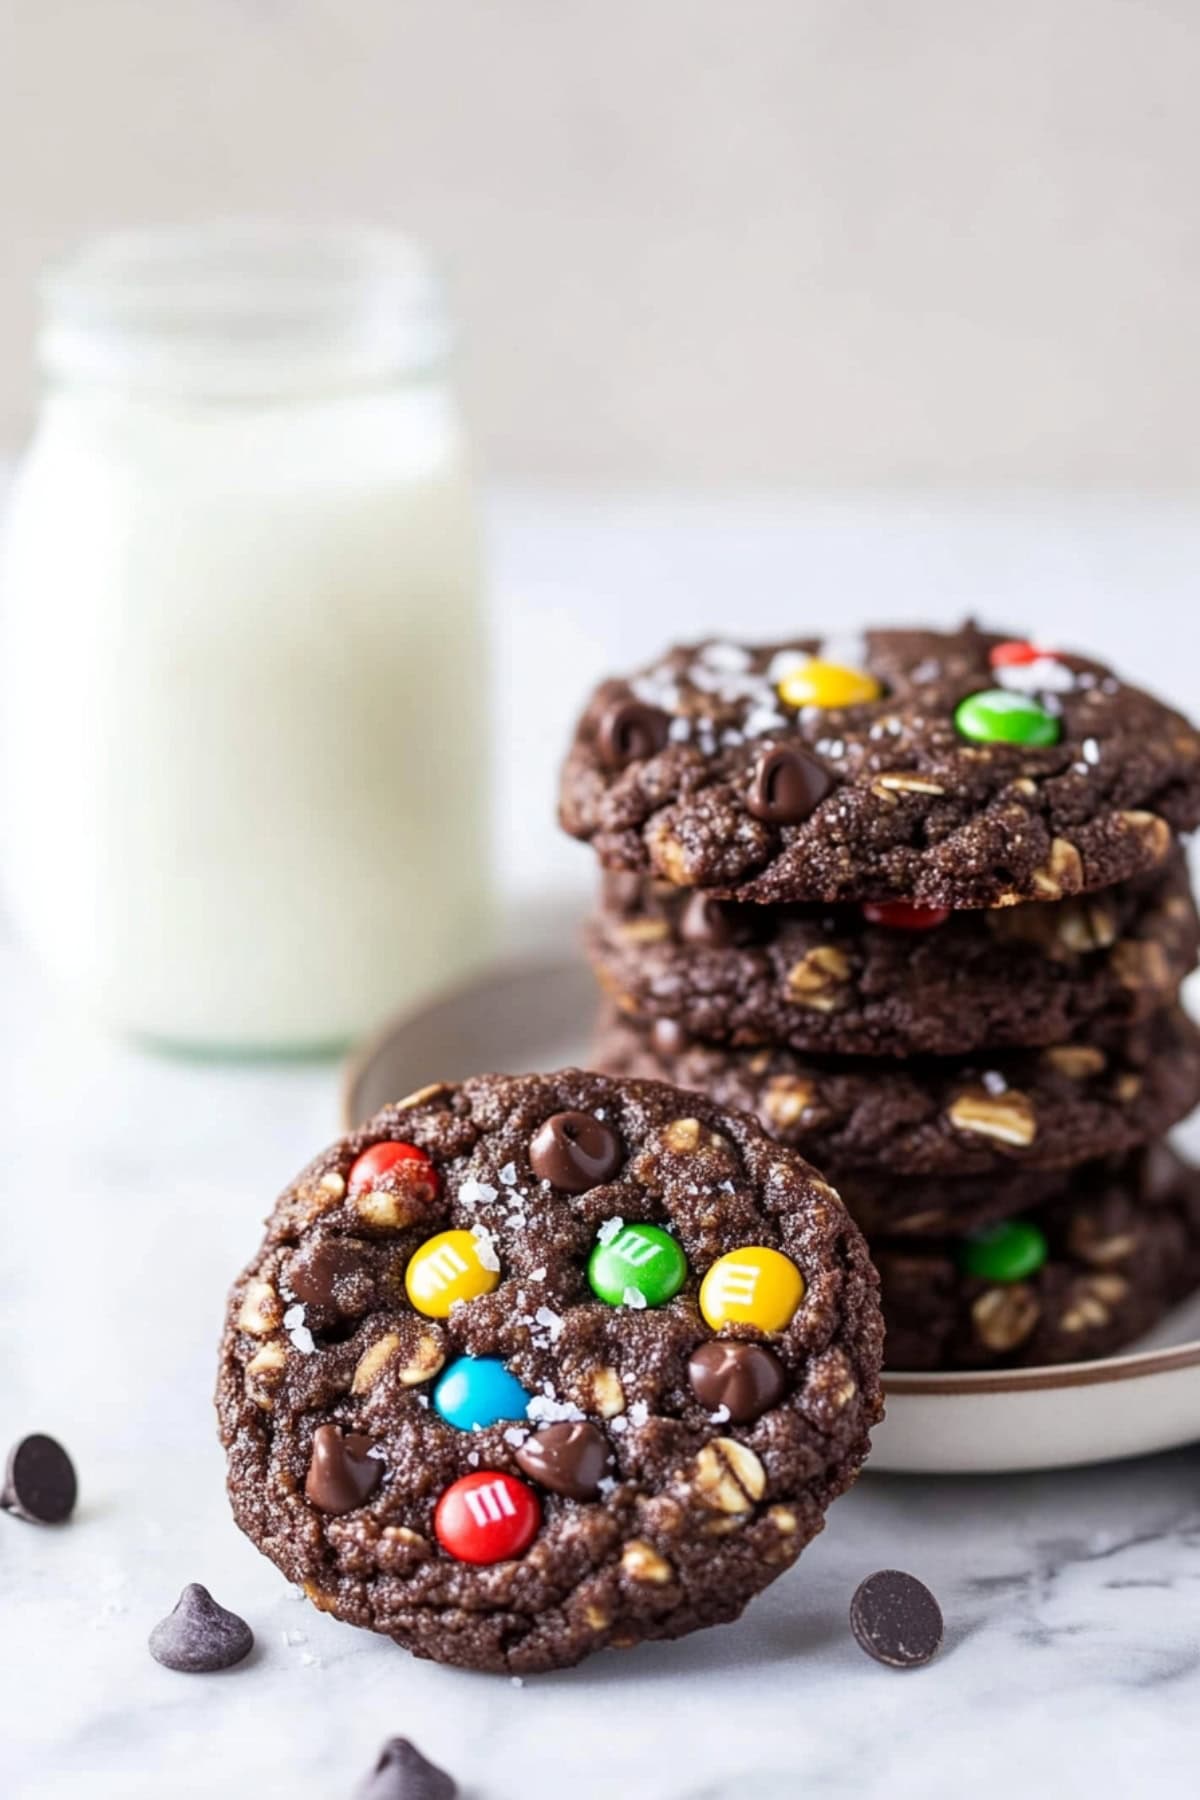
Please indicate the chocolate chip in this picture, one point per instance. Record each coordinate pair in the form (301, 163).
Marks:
(39, 1482)
(571, 1459)
(786, 786)
(747, 1379)
(341, 1474)
(630, 732)
(199, 1636)
(331, 1273)
(668, 1037)
(896, 1619)
(706, 922)
(402, 1773)
(574, 1151)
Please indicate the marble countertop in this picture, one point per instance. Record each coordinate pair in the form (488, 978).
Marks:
(133, 1189)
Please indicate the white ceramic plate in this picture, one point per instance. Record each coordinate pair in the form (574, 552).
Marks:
(540, 1016)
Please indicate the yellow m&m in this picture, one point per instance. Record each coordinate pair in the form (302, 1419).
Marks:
(817, 683)
(448, 1268)
(752, 1286)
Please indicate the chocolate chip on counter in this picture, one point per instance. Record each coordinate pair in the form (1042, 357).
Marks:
(786, 786)
(571, 1458)
(402, 1773)
(746, 1379)
(39, 1482)
(896, 1619)
(574, 1151)
(199, 1636)
(342, 1473)
(630, 732)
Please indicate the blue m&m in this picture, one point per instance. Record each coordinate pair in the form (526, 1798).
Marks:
(478, 1390)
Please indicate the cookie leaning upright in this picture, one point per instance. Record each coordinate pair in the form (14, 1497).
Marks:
(530, 1366)
(937, 768)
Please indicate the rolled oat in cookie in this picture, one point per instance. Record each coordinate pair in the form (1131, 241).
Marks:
(532, 1366)
(951, 769)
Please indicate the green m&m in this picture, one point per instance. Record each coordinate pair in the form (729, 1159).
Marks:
(997, 716)
(1011, 1251)
(637, 1265)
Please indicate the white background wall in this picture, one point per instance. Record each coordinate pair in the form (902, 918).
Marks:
(781, 241)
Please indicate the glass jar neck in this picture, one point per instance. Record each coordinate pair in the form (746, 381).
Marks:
(244, 311)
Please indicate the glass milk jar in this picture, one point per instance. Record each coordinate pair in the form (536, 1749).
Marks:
(243, 709)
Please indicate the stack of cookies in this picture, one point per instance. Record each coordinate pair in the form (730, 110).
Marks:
(917, 901)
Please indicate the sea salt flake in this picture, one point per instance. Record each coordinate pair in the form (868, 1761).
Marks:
(1090, 750)
(550, 1321)
(619, 1425)
(293, 1317)
(607, 1484)
(476, 1193)
(545, 1411)
(485, 1248)
(679, 731)
(609, 1229)
(377, 1453)
(302, 1340)
(720, 1416)
(291, 1638)
(508, 1174)
(600, 1113)
(730, 658)
(639, 1412)
(994, 1082)
(538, 1274)
(309, 1660)
(763, 719)
(515, 1435)
(633, 1297)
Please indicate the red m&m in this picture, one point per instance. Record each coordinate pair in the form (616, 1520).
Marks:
(381, 1159)
(1015, 652)
(487, 1517)
(901, 915)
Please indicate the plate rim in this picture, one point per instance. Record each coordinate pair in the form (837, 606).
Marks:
(1128, 1366)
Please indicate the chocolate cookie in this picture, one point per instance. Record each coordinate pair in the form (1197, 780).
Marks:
(1047, 1109)
(531, 1366)
(953, 769)
(921, 982)
(1079, 1278)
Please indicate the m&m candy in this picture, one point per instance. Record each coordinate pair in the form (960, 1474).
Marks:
(487, 1517)
(826, 684)
(448, 1268)
(639, 1265)
(1016, 652)
(902, 915)
(1011, 1251)
(381, 1159)
(476, 1391)
(998, 716)
(752, 1286)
